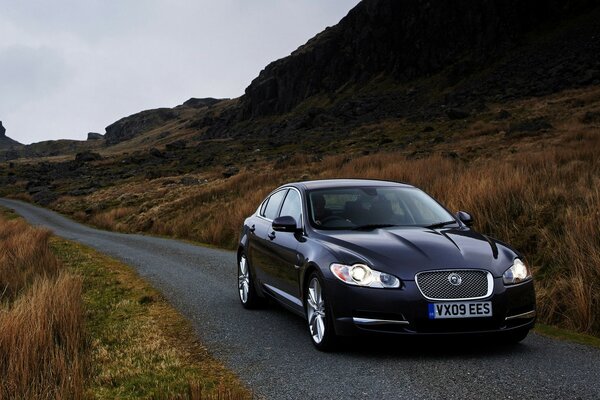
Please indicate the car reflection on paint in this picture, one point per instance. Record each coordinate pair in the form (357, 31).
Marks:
(364, 256)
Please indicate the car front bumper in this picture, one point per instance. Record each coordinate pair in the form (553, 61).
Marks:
(359, 310)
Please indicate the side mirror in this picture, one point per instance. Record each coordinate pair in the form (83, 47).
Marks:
(465, 218)
(285, 224)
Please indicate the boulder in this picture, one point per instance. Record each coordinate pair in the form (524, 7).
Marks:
(176, 145)
(529, 126)
(230, 171)
(204, 102)
(154, 152)
(87, 156)
(94, 136)
(136, 124)
(456, 113)
(189, 181)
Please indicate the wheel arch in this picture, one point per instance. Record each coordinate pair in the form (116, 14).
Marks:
(310, 268)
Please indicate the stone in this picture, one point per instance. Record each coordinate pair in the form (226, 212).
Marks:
(456, 113)
(136, 124)
(154, 152)
(532, 125)
(230, 171)
(176, 145)
(189, 181)
(87, 156)
(204, 102)
(94, 136)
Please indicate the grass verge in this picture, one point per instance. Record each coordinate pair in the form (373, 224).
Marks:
(567, 335)
(43, 352)
(140, 346)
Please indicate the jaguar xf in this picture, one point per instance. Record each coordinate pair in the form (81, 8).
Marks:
(378, 257)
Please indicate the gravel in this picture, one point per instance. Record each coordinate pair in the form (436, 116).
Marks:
(271, 351)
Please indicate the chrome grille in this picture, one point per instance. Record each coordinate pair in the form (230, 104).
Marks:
(436, 285)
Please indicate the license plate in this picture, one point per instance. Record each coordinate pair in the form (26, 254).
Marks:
(472, 309)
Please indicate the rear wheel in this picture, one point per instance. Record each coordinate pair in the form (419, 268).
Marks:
(320, 325)
(248, 296)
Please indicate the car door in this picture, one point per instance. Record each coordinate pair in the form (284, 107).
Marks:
(259, 243)
(284, 259)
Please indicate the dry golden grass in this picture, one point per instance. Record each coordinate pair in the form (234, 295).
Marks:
(546, 204)
(24, 257)
(113, 337)
(541, 198)
(140, 347)
(111, 219)
(537, 191)
(42, 345)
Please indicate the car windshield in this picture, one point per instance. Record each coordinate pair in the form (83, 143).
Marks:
(375, 207)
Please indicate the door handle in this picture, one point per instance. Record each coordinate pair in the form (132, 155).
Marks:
(271, 235)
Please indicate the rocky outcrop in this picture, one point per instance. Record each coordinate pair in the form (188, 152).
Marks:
(136, 124)
(204, 102)
(403, 39)
(7, 143)
(94, 136)
(87, 156)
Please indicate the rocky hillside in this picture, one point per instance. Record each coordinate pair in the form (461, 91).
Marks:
(406, 64)
(7, 143)
(405, 40)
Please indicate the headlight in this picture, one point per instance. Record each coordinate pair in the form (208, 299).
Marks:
(362, 275)
(517, 273)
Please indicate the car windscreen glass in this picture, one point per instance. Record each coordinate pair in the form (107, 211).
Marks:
(372, 207)
(273, 204)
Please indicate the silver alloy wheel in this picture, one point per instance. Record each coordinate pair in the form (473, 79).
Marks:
(316, 311)
(243, 280)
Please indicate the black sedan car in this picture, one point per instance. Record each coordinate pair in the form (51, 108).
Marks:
(366, 256)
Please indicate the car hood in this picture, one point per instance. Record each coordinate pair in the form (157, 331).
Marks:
(408, 250)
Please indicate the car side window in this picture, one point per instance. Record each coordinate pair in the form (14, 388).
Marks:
(292, 206)
(263, 207)
(273, 204)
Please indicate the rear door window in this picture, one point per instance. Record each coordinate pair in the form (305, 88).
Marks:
(273, 204)
(292, 206)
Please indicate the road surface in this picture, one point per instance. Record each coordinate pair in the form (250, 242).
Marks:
(271, 351)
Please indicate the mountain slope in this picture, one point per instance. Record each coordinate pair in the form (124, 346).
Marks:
(492, 106)
(403, 39)
(7, 143)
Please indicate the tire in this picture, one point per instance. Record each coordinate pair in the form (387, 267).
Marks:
(318, 315)
(516, 336)
(246, 291)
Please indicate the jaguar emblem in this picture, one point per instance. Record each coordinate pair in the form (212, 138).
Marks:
(454, 279)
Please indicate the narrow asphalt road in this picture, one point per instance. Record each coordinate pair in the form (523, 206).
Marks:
(271, 351)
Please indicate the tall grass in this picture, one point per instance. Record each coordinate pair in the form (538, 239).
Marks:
(42, 347)
(546, 204)
(543, 200)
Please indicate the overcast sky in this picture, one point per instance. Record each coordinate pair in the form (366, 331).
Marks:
(68, 67)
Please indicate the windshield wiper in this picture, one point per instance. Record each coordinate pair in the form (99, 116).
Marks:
(372, 226)
(440, 224)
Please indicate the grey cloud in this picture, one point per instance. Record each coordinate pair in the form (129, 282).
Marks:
(81, 65)
(27, 73)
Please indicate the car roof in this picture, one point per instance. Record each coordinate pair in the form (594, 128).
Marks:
(336, 183)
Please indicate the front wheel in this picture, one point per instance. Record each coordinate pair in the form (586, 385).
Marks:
(248, 296)
(319, 317)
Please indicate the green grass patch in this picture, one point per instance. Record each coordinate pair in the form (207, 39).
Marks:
(564, 334)
(140, 346)
(8, 213)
